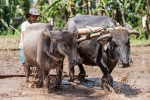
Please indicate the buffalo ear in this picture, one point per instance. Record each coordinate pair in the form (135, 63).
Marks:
(72, 29)
(75, 30)
(46, 35)
(54, 36)
(50, 27)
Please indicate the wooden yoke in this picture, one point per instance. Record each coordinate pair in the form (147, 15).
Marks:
(91, 36)
(94, 32)
(89, 30)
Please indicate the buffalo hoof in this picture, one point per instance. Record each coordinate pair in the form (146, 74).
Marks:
(71, 80)
(47, 91)
(107, 84)
(108, 89)
(46, 84)
(27, 80)
(39, 84)
(81, 76)
(54, 82)
(111, 89)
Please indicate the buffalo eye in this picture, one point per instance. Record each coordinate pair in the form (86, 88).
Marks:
(65, 45)
(115, 44)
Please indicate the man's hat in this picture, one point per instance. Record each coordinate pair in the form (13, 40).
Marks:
(32, 11)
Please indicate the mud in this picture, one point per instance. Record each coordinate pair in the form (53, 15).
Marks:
(135, 87)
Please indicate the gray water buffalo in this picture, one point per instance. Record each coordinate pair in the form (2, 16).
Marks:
(46, 50)
(103, 51)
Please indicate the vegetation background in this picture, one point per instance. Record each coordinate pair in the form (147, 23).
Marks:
(57, 12)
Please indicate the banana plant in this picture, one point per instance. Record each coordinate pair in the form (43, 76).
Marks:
(59, 7)
(10, 10)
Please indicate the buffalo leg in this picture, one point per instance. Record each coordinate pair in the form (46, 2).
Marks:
(71, 73)
(45, 79)
(82, 73)
(27, 70)
(56, 81)
(107, 78)
(40, 81)
(59, 71)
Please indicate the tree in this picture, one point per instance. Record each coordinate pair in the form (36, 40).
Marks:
(11, 11)
(148, 6)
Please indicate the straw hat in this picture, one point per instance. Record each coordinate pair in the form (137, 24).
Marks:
(32, 11)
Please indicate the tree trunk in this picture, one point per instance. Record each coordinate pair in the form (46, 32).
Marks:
(148, 5)
(66, 16)
(51, 19)
(85, 3)
(123, 19)
(145, 26)
(89, 8)
(147, 29)
(117, 15)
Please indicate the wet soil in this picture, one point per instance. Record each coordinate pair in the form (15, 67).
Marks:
(136, 87)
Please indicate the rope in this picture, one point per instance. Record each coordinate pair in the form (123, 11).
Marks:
(15, 30)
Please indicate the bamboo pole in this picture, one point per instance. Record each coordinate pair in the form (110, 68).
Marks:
(96, 31)
(15, 30)
(91, 36)
(89, 30)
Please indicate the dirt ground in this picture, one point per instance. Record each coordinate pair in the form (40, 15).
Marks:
(137, 86)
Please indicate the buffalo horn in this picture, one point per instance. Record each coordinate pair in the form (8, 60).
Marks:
(55, 36)
(46, 35)
(134, 32)
(103, 37)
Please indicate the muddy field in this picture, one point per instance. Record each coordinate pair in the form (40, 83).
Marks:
(137, 86)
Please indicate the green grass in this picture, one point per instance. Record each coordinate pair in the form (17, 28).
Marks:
(140, 42)
(12, 42)
(9, 42)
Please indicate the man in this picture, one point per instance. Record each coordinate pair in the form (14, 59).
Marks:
(31, 18)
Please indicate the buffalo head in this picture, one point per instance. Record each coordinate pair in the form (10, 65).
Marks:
(119, 44)
(66, 44)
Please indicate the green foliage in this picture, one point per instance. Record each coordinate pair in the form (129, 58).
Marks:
(60, 23)
(58, 10)
(61, 10)
(10, 12)
(142, 34)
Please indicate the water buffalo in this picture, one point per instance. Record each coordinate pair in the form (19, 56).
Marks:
(47, 50)
(103, 51)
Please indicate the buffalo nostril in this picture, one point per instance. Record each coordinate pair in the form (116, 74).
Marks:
(124, 63)
(130, 61)
(120, 63)
(80, 61)
(73, 62)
